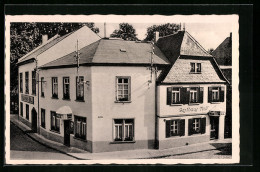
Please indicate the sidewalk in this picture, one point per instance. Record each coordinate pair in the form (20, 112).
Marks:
(129, 154)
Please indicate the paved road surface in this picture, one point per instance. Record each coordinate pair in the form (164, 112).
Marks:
(23, 147)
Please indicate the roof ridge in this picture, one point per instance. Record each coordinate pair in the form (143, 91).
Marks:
(197, 43)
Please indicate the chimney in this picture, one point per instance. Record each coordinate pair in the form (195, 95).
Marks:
(105, 30)
(156, 36)
(44, 38)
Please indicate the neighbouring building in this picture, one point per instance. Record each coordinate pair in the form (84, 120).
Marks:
(122, 95)
(223, 56)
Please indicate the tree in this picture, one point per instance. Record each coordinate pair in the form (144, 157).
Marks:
(25, 37)
(126, 32)
(163, 29)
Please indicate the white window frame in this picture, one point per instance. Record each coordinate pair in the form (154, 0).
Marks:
(27, 82)
(123, 126)
(123, 89)
(175, 98)
(80, 127)
(66, 82)
(196, 124)
(79, 84)
(197, 67)
(54, 85)
(194, 94)
(174, 127)
(215, 92)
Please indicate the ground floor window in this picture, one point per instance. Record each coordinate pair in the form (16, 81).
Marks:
(197, 125)
(123, 129)
(55, 121)
(43, 118)
(80, 127)
(27, 111)
(21, 108)
(175, 127)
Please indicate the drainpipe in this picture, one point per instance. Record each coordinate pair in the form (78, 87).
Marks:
(156, 122)
(38, 115)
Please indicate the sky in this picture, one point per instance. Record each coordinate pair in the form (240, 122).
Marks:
(209, 35)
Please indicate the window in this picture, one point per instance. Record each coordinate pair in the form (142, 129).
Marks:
(55, 87)
(55, 122)
(197, 125)
(27, 111)
(194, 95)
(175, 128)
(26, 82)
(43, 118)
(80, 88)
(21, 108)
(123, 129)
(123, 89)
(66, 88)
(216, 94)
(80, 127)
(175, 95)
(42, 86)
(21, 82)
(195, 68)
(34, 82)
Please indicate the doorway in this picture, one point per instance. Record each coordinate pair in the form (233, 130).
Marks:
(67, 132)
(214, 122)
(34, 120)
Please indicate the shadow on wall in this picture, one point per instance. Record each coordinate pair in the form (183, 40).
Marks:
(224, 148)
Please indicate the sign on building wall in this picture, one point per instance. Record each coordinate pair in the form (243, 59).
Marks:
(27, 98)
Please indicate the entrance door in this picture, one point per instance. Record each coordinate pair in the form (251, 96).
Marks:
(34, 120)
(214, 122)
(67, 132)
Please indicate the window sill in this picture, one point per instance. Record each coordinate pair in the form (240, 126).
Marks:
(33, 94)
(122, 101)
(43, 127)
(121, 142)
(54, 131)
(196, 134)
(66, 99)
(173, 136)
(194, 104)
(216, 102)
(80, 139)
(176, 104)
(195, 73)
(54, 97)
(80, 100)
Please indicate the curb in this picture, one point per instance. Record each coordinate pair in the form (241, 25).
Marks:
(50, 147)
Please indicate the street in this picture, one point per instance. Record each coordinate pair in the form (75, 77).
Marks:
(23, 147)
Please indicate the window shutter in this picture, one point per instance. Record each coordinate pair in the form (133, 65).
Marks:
(181, 127)
(203, 125)
(190, 127)
(188, 96)
(201, 91)
(169, 95)
(183, 95)
(168, 129)
(222, 94)
(210, 94)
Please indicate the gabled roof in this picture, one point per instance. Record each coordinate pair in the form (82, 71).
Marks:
(34, 53)
(113, 51)
(223, 53)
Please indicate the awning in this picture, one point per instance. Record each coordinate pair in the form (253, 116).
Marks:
(65, 112)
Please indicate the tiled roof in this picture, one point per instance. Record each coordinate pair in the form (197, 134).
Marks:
(180, 72)
(113, 51)
(34, 53)
(223, 53)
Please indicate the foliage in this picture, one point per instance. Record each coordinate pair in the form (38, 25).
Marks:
(163, 29)
(126, 32)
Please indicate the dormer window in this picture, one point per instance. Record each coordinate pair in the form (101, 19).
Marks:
(195, 68)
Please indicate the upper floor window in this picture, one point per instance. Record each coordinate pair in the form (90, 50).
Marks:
(34, 82)
(43, 118)
(175, 128)
(21, 82)
(194, 95)
(21, 108)
(55, 87)
(42, 86)
(216, 94)
(66, 88)
(27, 111)
(26, 82)
(175, 95)
(80, 88)
(123, 89)
(123, 129)
(80, 127)
(195, 68)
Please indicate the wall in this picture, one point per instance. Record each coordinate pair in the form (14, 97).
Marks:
(83, 109)
(105, 109)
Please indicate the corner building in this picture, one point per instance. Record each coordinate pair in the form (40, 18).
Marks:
(124, 95)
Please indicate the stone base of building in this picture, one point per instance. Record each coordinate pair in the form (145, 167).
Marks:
(81, 144)
(112, 146)
(51, 136)
(182, 141)
(25, 121)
